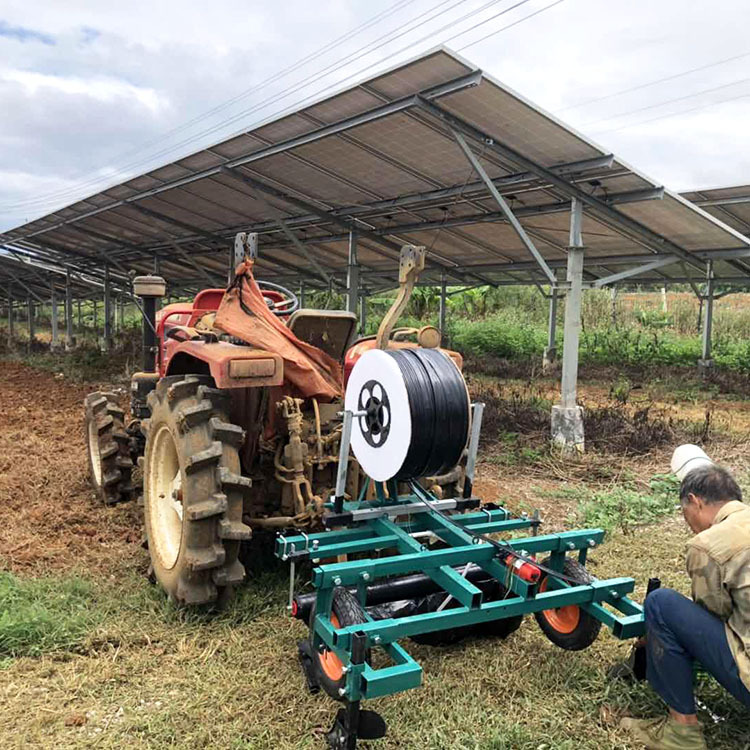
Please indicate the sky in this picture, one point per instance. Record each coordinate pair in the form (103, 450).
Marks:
(94, 92)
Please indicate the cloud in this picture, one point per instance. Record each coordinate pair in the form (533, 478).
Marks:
(23, 34)
(87, 88)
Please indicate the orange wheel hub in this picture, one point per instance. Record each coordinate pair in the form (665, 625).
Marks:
(563, 619)
(331, 665)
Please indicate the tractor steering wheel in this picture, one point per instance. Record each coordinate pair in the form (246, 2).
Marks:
(285, 306)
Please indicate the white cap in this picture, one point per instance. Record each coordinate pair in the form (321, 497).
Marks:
(688, 457)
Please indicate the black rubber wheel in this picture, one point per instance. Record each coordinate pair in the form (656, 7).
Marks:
(345, 610)
(193, 492)
(491, 629)
(571, 627)
(108, 448)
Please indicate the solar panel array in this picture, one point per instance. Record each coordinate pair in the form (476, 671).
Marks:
(382, 159)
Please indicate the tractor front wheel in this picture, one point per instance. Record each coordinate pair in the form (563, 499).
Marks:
(570, 627)
(108, 444)
(193, 491)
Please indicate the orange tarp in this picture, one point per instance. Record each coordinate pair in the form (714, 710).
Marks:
(243, 313)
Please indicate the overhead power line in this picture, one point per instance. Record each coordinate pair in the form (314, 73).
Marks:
(641, 86)
(676, 114)
(668, 101)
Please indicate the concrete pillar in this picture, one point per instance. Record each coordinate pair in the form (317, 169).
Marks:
(706, 363)
(443, 310)
(549, 357)
(352, 275)
(53, 319)
(107, 338)
(567, 416)
(69, 338)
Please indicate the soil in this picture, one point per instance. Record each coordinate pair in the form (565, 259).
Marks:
(50, 519)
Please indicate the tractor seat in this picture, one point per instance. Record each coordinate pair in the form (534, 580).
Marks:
(329, 330)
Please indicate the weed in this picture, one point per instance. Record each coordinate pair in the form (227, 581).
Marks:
(623, 507)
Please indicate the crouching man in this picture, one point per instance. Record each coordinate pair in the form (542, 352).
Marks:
(713, 629)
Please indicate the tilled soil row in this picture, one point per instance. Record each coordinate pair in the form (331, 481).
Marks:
(50, 519)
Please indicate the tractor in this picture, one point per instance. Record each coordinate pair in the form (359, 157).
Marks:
(236, 421)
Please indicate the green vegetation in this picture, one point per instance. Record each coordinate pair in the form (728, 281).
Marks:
(44, 614)
(622, 507)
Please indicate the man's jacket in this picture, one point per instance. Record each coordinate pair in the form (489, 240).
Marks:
(718, 561)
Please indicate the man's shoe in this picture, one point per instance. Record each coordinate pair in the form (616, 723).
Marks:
(666, 734)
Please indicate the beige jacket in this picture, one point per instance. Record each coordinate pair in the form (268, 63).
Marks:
(718, 562)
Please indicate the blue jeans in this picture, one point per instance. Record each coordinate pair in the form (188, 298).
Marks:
(680, 633)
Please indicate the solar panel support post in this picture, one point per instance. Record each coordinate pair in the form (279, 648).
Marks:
(362, 312)
(30, 308)
(10, 316)
(504, 206)
(352, 275)
(302, 294)
(53, 317)
(706, 363)
(443, 305)
(94, 320)
(69, 342)
(107, 335)
(549, 358)
(567, 416)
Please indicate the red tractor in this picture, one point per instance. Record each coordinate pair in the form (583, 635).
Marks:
(235, 421)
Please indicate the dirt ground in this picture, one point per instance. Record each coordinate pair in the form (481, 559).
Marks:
(147, 676)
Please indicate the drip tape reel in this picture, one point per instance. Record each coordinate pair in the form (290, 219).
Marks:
(412, 413)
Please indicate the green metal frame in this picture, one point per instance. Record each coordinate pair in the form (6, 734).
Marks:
(605, 600)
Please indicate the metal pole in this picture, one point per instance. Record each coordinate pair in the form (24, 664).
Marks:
(31, 320)
(443, 305)
(567, 417)
(10, 316)
(550, 351)
(352, 275)
(80, 316)
(302, 294)
(69, 342)
(362, 312)
(706, 362)
(107, 310)
(53, 316)
(94, 303)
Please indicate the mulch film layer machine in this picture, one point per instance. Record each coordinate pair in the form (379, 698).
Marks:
(404, 559)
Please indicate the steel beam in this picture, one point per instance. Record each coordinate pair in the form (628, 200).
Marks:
(504, 207)
(599, 207)
(626, 274)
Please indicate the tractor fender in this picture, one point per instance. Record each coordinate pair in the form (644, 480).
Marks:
(230, 365)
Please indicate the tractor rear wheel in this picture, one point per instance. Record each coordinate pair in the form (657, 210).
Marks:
(571, 627)
(193, 491)
(108, 444)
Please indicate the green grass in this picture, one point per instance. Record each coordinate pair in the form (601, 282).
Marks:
(45, 614)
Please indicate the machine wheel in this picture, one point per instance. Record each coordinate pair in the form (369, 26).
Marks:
(193, 491)
(108, 444)
(569, 627)
(329, 669)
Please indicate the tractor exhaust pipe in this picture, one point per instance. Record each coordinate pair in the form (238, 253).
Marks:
(149, 289)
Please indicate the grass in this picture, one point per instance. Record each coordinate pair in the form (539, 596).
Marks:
(145, 675)
(46, 614)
